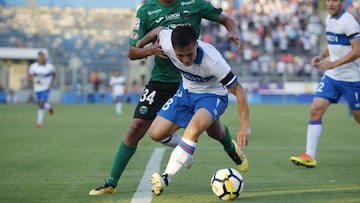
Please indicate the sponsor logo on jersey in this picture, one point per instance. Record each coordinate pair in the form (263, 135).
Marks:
(194, 78)
(173, 16)
(153, 12)
(173, 26)
(332, 38)
(159, 20)
(134, 35)
(137, 24)
(185, 3)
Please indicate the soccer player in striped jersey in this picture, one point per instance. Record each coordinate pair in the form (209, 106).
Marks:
(42, 74)
(164, 79)
(118, 87)
(341, 78)
(200, 100)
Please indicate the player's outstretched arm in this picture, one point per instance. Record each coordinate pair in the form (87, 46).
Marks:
(140, 51)
(149, 37)
(244, 113)
(351, 56)
(232, 28)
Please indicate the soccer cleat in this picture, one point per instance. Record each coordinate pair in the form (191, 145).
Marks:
(303, 160)
(37, 126)
(244, 166)
(51, 110)
(103, 190)
(158, 183)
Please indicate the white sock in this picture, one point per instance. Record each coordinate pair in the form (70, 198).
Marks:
(172, 141)
(47, 105)
(180, 157)
(40, 116)
(118, 107)
(312, 137)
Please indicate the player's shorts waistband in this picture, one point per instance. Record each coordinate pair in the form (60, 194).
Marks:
(162, 83)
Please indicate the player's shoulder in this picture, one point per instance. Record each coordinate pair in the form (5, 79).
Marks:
(165, 38)
(345, 17)
(34, 65)
(149, 6)
(210, 52)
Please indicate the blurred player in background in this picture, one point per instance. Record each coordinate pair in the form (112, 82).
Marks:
(118, 88)
(200, 100)
(164, 79)
(42, 74)
(342, 75)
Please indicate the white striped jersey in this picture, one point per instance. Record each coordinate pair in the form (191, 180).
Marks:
(118, 85)
(340, 31)
(42, 75)
(209, 73)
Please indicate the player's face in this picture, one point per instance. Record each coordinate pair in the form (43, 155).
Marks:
(41, 59)
(334, 7)
(187, 54)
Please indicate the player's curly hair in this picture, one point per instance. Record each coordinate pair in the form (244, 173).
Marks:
(183, 35)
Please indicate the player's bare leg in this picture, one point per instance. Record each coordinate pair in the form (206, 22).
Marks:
(318, 108)
(356, 115)
(40, 114)
(221, 133)
(181, 156)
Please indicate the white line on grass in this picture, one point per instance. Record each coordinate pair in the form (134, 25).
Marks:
(143, 193)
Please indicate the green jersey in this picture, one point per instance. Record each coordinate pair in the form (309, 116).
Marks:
(152, 15)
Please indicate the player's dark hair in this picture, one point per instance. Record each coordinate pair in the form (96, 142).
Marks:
(41, 53)
(183, 35)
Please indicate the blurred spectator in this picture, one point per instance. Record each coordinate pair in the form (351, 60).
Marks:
(94, 79)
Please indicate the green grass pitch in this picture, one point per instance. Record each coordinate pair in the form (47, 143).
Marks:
(74, 150)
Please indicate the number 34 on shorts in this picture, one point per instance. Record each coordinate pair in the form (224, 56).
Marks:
(148, 96)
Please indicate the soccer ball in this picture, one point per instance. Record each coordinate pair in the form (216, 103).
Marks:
(227, 184)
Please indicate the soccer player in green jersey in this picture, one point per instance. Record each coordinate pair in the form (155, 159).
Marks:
(165, 79)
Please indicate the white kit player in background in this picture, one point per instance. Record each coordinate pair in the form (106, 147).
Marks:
(118, 88)
(42, 74)
(341, 78)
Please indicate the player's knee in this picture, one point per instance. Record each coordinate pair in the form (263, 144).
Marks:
(137, 130)
(316, 111)
(357, 116)
(41, 105)
(155, 134)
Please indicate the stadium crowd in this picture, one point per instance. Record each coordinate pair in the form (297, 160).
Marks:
(279, 37)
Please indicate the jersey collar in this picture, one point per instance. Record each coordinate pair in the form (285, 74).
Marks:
(199, 55)
(342, 13)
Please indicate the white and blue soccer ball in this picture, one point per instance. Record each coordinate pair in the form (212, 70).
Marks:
(227, 184)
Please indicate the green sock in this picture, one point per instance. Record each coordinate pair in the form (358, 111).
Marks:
(227, 141)
(122, 158)
(229, 147)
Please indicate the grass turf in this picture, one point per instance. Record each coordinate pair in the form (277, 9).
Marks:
(74, 150)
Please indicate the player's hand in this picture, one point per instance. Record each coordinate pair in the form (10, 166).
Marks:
(235, 38)
(315, 61)
(157, 50)
(243, 137)
(37, 81)
(326, 65)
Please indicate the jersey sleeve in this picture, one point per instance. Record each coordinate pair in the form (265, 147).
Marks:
(111, 81)
(139, 27)
(165, 40)
(208, 11)
(53, 71)
(352, 29)
(222, 72)
(31, 69)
